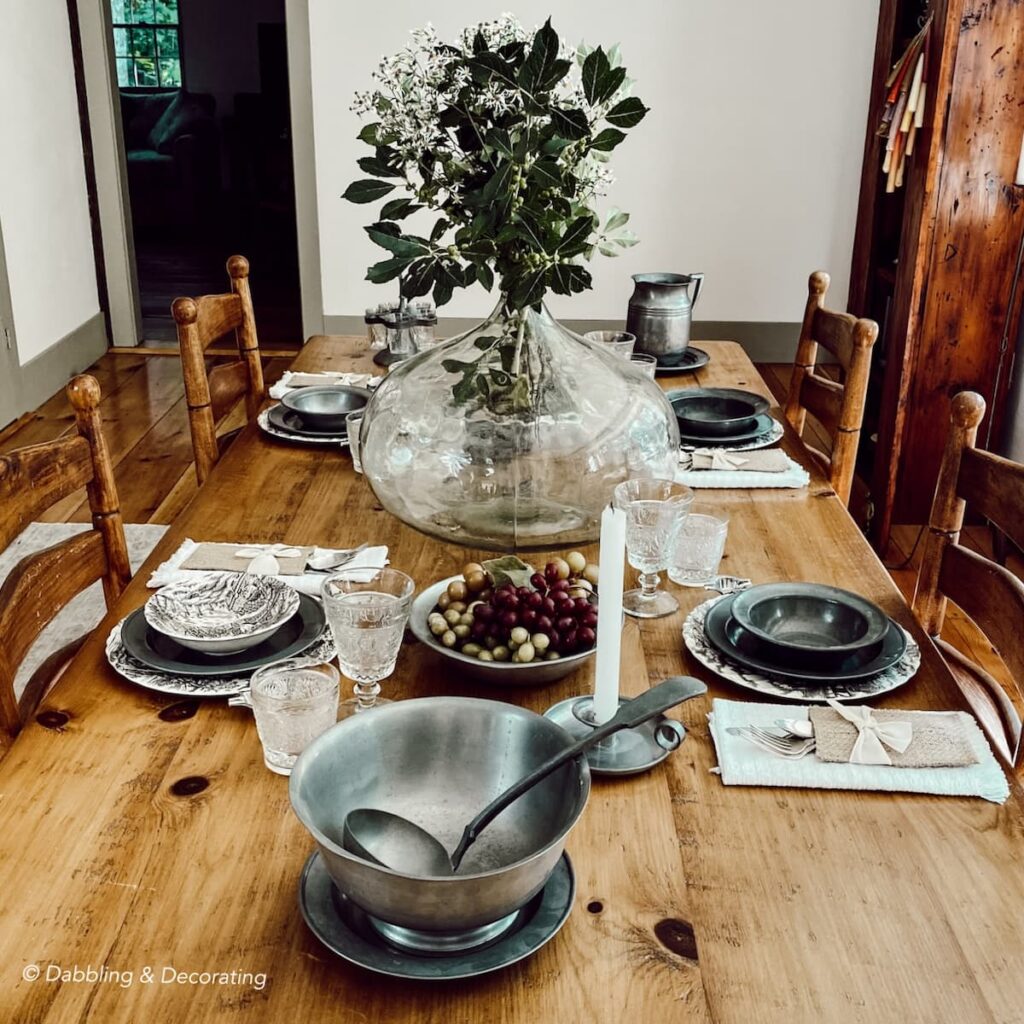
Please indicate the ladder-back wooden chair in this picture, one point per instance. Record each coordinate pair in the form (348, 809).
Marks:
(210, 397)
(991, 595)
(838, 407)
(41, 584)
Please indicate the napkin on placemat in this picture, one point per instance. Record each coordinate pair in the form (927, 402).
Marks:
(290, 380)
(938, 739)
(291, 561)
(174, 569)
(717, 468)
(740, 763)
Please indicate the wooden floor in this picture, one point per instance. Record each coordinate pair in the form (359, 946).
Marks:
(146, 425)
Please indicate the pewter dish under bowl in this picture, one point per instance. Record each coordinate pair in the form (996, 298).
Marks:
(736, 643)
(716, 412)
(222, 612)
(802, 617)
(498, 673)
(325, 408)
(438, 761)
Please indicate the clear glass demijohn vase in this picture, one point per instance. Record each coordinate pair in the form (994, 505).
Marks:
(512, 436)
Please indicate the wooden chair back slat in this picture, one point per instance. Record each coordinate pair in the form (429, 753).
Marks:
(34, 478)
(226, 382)
(988, 593)
(823, 399)
(42, 585)
(31, 480)
(839, 407)
(216, 316)
(834, 331)
(200, 322)
(994, 488)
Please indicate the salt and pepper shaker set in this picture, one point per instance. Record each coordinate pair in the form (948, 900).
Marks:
(398, 330)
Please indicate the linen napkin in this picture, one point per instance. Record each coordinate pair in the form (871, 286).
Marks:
(174, 570)
(290, 380)
(291, 561)
(716, 468)
(740, 763)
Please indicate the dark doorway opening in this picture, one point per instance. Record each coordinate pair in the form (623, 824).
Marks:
(207, 129)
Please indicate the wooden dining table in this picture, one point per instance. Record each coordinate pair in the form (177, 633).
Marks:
(143, 832)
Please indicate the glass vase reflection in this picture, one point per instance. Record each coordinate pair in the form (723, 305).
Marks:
(512, 436)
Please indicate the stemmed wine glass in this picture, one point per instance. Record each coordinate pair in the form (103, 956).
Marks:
(367, 619)
(655, 510)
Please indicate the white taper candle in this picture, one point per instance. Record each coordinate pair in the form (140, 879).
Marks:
(610, 580)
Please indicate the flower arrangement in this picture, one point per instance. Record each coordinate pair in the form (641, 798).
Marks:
(506, 134)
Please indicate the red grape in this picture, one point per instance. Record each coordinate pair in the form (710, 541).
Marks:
(565, 623)
(533, 599)
(508, 619)
(523, 592)
(528, 618)
(556, 640)
(585, 637)
(589, 619)
(560, 597)
(544, 624)
(551, 571)
(538, 582)
(548, 605)
(569, 641)
(483, 612)
(479, 630)
(581, 604)
(560, 585)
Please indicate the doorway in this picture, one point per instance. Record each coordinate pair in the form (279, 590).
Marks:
(203, 90)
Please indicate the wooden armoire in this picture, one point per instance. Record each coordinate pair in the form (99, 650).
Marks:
(938, 262)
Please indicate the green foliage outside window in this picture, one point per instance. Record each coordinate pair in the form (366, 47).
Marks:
(146, 43)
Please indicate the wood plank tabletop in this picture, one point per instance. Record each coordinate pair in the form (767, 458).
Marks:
(143, 832)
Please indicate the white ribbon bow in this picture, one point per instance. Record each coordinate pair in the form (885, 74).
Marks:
(721, 459)
(874, 736)
(281, 550)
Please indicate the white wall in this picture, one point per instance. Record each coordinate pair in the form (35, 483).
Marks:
(747, 166)
(43, 201)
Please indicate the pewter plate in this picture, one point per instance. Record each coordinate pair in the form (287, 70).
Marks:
(773, 685)
(160, 652)
(740, 646)
(263, 420)
(762, 425)
(692, 359)
(291, 423)
(221, 606)
(324, 409)
(775, 433)
(716, 412)
(346, 931)
(195, 686)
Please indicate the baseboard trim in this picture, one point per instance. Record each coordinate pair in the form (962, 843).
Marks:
(49, 371)
(764, 342)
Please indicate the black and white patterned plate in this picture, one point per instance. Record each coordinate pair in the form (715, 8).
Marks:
(196, 686)
(776, 686)
(268, 428)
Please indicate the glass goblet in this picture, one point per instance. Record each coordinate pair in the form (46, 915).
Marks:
(367, 616)
(619, 342)
(655, 510)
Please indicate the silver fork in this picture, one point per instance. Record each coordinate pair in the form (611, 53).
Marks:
(726, 585)
(790, 747)
(338, 559)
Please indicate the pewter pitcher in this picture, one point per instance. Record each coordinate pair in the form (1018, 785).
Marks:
(661, 310)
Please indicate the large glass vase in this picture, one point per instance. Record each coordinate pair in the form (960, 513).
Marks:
(512, 436)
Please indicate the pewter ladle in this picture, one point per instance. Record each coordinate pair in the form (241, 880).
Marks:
(395, 842)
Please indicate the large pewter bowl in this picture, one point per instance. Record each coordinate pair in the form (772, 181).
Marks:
(438, 761)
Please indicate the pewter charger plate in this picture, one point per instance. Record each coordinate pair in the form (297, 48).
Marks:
(160, 652)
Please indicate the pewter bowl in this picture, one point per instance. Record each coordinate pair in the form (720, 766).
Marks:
(717, 412)
(222, 612)
(497, 673)
(438, 761)
(810, 617)
(325, 408)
